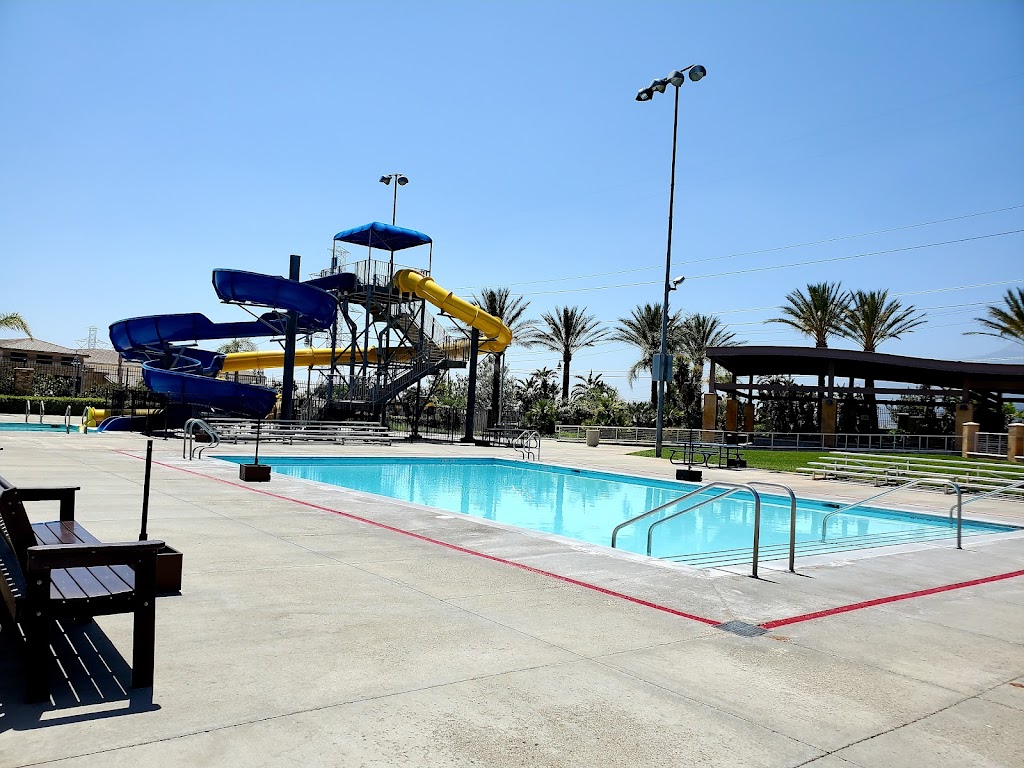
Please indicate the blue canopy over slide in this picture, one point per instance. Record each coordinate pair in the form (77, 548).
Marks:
(185, 374)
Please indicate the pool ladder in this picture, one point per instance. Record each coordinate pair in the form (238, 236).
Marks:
(959, 506)
(188, 441)
(730, 489)
(528, 444)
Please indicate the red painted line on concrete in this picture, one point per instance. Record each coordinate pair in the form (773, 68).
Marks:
(464, 550)
(890, 599)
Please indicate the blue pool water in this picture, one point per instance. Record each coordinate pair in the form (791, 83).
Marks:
(30, 427)
(586, 506)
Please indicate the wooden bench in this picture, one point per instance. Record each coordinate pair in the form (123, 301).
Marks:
(58, 571)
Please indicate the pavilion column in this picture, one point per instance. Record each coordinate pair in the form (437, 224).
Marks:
(969, 438)
(828, 422)
(964, 414)
(732, 414)
(1015, 443)
(710, 417)
(748, 416)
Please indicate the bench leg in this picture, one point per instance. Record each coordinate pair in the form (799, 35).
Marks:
(144, 630)
(37, 658)
(143, 641)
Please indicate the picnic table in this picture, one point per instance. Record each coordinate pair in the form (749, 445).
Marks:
(727, 455)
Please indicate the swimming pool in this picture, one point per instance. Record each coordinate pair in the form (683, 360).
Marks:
(14, 426)
(586, 506)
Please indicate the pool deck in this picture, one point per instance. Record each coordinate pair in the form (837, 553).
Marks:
(319, 626)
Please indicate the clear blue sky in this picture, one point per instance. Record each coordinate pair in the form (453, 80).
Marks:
(144, 144)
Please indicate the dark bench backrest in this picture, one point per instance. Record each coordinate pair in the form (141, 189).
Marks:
(16, 523)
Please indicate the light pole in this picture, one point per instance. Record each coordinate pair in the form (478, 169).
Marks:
(400, 181)
(662, 367)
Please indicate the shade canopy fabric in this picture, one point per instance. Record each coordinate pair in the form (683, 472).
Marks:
(386, 237)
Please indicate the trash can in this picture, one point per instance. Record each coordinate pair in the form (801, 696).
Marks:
(593, 437)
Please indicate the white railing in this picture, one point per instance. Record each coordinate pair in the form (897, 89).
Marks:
(842, 441)
(992, 444)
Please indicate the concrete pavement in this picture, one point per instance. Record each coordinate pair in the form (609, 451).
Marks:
(305, 637)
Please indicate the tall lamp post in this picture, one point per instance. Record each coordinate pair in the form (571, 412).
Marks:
(662, 367)
(400, 181)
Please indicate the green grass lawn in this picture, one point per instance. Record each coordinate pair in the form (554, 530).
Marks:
(790, 461)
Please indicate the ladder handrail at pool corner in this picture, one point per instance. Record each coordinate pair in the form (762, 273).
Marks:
(67, 420)
(42, 411)
(188, 438)
(920, 481)
(792, 517)
(733, 488)
(527, 443)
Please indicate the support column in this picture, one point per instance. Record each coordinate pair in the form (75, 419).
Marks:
(710, 417)
(474, 346)
(827, 419)
(969, 438)
(1015, 443)
(732, 414)
(748, 416)
(288, 384)
(964, 414)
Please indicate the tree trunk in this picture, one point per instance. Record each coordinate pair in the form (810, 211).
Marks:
(566, 359)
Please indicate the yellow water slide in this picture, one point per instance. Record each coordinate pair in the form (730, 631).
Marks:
(304, 358)
(498, 335)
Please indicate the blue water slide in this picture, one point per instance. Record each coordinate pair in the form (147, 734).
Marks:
(186, 374)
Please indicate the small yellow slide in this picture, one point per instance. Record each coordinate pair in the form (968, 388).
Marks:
(498, 335)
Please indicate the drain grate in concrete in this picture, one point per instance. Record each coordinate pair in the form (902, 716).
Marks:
(742, 629)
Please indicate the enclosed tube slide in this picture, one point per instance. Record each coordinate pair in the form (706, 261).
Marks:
(187, 375)
(498, 335)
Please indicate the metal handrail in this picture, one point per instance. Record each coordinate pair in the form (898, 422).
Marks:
(527, 443)
(189, 438)
(674, 515)
(735, 488)
(67, 420)
(920, 481)
(42, 411)
(648, 513)
(28, 410)
(987, 494)
(792, 518)
(717, 484)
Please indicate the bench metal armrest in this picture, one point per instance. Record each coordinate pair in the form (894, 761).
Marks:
(64, 494)
(44, 557)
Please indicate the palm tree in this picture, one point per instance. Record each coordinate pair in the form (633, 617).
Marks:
(14, 322)
(566, 331)
(589, 385)
(698, 332)
(819, 313)
(643, 331)
(1006, 322)
(874, 318)
(871, 319)
(510, 310)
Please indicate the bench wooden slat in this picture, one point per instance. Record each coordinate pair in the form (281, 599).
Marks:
(63, 587)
